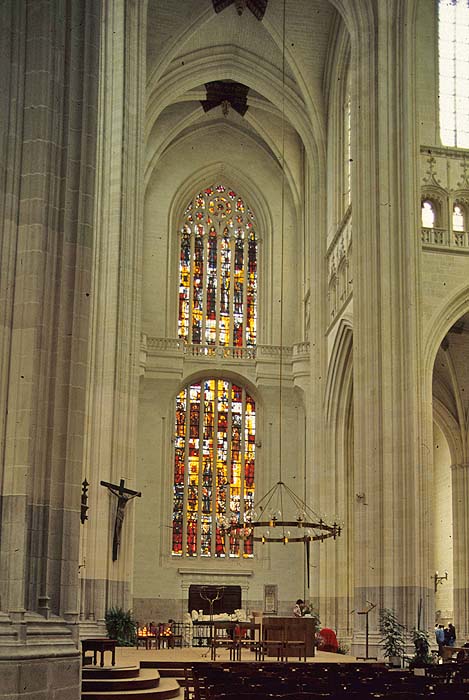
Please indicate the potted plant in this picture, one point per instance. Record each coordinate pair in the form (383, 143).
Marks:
(422, 657)
(120, 625)
(393, 639)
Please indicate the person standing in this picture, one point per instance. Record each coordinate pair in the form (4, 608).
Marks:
(298, 608)
(451, 635)
(440, 638)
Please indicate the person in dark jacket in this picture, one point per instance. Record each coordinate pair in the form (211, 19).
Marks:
(450, 635)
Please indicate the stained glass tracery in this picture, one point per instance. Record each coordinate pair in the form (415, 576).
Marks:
(218, 270)
(214, 467)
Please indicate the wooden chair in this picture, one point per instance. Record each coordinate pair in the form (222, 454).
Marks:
(273, 640)
(296, 645)
(249, 638)
(177, 629)
(223, 637)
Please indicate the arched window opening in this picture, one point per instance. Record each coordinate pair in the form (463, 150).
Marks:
(214, 459)
(428, 214)
(454, 72)
(458, 218)
(218, 270)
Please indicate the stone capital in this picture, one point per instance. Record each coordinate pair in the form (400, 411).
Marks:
(456, 467)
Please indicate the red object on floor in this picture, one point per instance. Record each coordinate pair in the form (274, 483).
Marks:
(328, 640)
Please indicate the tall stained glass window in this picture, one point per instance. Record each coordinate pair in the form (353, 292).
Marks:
(218, 270)
(454, 72)
(214, 458)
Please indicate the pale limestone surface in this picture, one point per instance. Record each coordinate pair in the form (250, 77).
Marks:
(104, 143)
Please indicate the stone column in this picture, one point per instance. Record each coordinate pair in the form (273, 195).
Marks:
(460, 489)
(49, 68)
(110, 452)
(391, 563)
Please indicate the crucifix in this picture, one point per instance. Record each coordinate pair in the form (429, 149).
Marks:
(123, 496)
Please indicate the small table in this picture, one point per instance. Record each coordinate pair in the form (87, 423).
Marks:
(101, 645)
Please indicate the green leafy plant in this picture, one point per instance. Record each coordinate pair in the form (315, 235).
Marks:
(422, 656)
(343, 648)
(120, 625)
(393, 639)
(309, 611)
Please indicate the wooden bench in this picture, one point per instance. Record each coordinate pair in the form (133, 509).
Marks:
(447, 653)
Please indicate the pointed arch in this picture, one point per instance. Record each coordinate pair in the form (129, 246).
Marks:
(339, 455)
(442, 321)
(339, 370)
(450, 429)
(246, 187)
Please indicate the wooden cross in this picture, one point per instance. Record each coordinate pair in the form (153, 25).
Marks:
(123, 496)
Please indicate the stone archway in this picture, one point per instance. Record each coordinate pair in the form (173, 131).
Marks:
(451, 473)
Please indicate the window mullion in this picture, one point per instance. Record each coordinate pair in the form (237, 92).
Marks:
(213, 542)
(186, 475)
(215, 436)
(205, 239)
(245, 286)
(190, 336)
(200, 470)
(242, 446)
(229, 444)
(219, 271)
(232, 241)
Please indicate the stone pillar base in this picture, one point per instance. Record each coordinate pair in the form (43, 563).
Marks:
(38, 659)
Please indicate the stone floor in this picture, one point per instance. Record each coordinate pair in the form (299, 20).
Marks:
(131, 655)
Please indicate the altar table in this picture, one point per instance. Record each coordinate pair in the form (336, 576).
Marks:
(295, 628)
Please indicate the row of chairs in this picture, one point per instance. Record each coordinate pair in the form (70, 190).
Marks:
(160, 635)
(264, 640)
(274, 681)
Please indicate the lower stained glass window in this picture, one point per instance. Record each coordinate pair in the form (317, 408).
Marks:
(214, 469)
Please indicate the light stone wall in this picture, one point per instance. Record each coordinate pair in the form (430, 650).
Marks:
(442, 525)
(444, 276)
(40, 679)
(158, 596)
(113, 371)
(200, 158)
(74, 278)
(49, 63)
(182, 171)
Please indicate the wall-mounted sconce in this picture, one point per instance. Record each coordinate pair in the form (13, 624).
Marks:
(439, 579)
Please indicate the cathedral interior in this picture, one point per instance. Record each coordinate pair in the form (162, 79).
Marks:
(234, 282)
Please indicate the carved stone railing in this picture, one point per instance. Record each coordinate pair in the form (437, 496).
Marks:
(461, 239)
(339, 261)
(169, 354)
(274, 351)
(446, 239)
(163, 343)
(444, 181)
(301, 349)
(226, 352)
